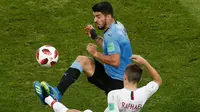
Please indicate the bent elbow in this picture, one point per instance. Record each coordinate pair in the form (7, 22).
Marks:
(159, 81)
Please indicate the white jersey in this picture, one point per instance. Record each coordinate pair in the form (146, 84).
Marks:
(87, 110)
(124, 100)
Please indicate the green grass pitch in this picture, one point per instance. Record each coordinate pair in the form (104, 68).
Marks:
(165, 32)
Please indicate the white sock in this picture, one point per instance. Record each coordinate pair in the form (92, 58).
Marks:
(57, 106)
(49, 100)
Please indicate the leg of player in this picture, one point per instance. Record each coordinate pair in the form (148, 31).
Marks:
(39, 91)
(59, 107)
(47, 99)
(81, 64)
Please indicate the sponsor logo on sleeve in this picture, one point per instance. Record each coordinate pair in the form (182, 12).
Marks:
(111, 107)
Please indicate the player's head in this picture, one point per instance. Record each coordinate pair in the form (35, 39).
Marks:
(103, 14)
(133, 73)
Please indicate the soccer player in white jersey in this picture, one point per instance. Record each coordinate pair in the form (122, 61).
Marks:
(128, 99)
(131, 98)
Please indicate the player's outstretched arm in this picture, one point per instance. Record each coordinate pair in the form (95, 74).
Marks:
(151, 71)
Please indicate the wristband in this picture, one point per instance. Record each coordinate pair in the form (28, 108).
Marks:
(93, 34)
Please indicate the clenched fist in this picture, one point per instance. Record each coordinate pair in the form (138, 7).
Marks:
(92, 49)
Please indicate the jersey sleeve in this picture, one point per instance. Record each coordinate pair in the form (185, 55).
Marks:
(112, 45)
(87, 110)
(112, 103)
(151, 88)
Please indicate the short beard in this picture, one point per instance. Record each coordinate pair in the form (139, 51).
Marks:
(104, 26)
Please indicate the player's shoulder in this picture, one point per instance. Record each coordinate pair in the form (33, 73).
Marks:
(120, 29)
(116, 30)
(152, 83)
(115, 27)
(116, 92)
(149, 89)
(119, 25)
(149, 84)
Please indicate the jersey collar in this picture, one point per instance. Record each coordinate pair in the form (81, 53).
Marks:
(111, 25)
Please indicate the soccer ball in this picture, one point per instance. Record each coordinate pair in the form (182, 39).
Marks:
(47, 56)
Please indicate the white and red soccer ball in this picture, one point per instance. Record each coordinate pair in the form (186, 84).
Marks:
(47, 56)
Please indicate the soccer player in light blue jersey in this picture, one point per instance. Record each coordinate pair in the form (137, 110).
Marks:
(105, 70)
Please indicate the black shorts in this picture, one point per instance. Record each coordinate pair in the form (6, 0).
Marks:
(101, 79)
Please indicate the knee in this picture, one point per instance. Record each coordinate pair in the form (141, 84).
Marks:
(82, 59)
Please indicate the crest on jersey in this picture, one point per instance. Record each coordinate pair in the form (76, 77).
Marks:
(111, 47)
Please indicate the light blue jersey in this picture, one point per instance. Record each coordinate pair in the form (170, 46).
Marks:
(116, 41)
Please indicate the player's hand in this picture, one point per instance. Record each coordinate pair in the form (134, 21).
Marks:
(138, 59)
(92, 49)
(87, 29)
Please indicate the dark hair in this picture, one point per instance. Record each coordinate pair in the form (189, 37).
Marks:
(133, 73)
(103, 7)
